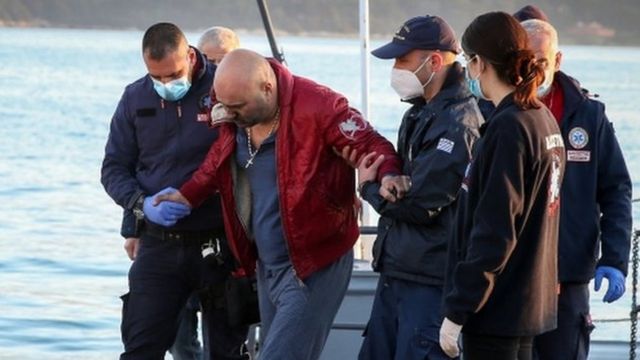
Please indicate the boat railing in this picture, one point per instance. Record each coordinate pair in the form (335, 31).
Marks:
(633, 314)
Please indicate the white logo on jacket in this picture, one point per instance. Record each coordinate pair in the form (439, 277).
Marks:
(554, 185)
(351, 126)
(554, 141)
(578, 137)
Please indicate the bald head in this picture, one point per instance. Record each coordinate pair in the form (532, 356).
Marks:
(216, 42)
(246, 84)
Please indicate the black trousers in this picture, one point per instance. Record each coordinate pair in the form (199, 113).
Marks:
(570, 341)
(161, 279)
(483, 347)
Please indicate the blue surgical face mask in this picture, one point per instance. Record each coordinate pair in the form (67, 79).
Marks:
(173, 90)
(474, 85)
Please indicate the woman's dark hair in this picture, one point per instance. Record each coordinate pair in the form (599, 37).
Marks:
(499, 39)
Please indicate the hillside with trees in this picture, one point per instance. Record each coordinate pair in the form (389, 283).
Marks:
(579, 21)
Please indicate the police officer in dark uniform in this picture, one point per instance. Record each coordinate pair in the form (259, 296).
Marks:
(159, 135)
(434, 141)
(595, 217)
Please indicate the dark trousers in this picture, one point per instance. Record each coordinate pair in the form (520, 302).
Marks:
(161, 279)
(570, 340)
(483, 347)
(405, 322)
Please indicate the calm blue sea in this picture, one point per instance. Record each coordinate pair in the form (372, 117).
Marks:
(62, 266)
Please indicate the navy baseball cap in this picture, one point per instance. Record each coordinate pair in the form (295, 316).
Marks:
(421, 32)
(530, 12)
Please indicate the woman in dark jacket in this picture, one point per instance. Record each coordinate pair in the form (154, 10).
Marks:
(501, 289)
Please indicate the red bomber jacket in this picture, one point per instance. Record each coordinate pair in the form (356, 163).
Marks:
(316, 187)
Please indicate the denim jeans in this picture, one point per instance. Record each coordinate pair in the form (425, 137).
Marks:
(296, 316)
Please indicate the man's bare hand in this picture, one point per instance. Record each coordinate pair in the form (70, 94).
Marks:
(368, 167)
(175, 196)
(131, 246)
(350, 156)
(393, 188)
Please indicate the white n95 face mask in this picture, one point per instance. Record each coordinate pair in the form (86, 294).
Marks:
(406, 83)
(545, 87)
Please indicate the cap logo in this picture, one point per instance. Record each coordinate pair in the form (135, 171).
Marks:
(401, 37)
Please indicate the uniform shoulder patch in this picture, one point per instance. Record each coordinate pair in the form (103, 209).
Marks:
(445, 145)
(351, 126)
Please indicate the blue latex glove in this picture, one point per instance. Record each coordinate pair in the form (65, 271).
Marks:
(616, 282)
(167, 213)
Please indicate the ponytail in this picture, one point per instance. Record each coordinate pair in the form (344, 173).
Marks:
(500, 40)
(526, 73)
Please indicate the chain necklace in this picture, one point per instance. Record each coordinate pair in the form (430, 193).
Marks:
(254, 152)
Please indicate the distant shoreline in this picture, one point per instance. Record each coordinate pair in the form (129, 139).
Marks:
(565, 38)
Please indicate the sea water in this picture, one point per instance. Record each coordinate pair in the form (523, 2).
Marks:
(62, 265)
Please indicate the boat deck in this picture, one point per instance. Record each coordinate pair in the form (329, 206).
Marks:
(346, 334)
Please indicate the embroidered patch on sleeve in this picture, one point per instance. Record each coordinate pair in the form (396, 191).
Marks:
(445, 145)
(351, 126)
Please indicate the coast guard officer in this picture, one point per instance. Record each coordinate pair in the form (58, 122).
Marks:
(159, 135)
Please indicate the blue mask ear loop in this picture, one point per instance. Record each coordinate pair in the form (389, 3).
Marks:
(474, 83)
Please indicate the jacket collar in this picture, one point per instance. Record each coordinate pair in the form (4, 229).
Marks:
(574, 95)
(454, 87)
(200, 68)
(504, 103)
(285, 86)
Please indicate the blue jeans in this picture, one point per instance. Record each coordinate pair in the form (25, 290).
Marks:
(405, 322)
(296, 316)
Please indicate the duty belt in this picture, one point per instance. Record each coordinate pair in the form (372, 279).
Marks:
(184, 236)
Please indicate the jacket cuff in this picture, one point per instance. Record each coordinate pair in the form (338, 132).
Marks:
(132, 200)
(389, 167)
(457, 317)
(194, 192)
(614, 264)
(369, 190)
